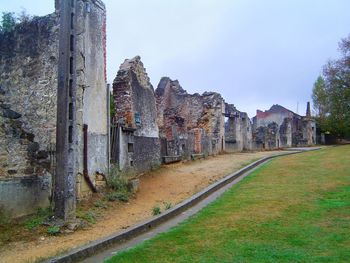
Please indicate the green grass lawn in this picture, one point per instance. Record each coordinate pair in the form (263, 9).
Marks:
(293, 209)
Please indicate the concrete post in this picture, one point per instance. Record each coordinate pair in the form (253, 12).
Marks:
(66, 131)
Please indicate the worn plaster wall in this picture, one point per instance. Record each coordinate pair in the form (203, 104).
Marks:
(91, 81)
(275, 114)
(23, 195)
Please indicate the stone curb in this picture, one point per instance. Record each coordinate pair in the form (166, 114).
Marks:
(105, 243)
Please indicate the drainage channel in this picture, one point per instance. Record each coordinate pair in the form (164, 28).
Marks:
(102, 249)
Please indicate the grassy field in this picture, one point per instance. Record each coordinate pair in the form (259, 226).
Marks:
(293, 209)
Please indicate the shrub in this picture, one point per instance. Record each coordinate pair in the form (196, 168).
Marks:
(118, 182)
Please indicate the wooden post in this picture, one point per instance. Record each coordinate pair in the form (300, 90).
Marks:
(66, 131)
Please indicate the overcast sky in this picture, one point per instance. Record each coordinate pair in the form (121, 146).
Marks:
(255, 53)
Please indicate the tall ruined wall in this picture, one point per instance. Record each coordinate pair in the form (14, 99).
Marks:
(28, 106)
(286, 133)
(28, 83)
(238, 130)
(139, 145)
(134, 98)
(310, 131)
(91, 81)
(179, 112)
(213, 119)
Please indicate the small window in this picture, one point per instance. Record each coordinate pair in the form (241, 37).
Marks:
(130, 147)
(137, 118)
(131, 163)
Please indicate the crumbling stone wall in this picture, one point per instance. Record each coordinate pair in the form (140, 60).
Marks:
(191, 124)
(238, 130)
(28, 106)
(28, 83)
(267, 137)
(286, 133)
(138, 134)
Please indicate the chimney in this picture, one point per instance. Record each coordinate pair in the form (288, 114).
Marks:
(308, 111)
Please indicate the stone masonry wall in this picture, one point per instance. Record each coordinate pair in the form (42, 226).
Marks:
(180, 115)
(238, 130)
(139, 144)
(28, 83)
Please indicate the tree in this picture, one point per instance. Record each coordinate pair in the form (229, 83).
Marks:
(8, 22)
(10, 19)
(320, 102)
(331, 94)
(24, 17)
(319, 97)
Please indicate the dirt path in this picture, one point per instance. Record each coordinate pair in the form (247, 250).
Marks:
(171, 184)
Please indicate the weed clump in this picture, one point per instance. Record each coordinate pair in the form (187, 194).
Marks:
(118, 182)
(89, 216)
(100, 204)
(53, 230)
(38, 219)
(167, 205)
(156, 210)
(115, 196)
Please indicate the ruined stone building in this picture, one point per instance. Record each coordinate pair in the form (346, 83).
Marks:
(184, 126)
(137, 136)
(150, 126)
(28, 105)
(279, 127)
(189, 124)
(177, 125)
